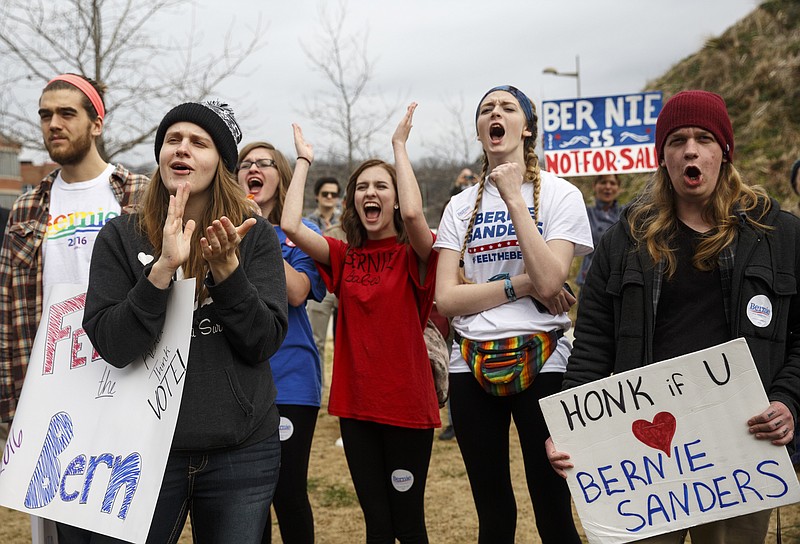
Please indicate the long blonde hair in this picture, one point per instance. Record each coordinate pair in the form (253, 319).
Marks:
(227, 199)
(654, 223)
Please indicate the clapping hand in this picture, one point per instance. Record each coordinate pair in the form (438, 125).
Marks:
(220, 243)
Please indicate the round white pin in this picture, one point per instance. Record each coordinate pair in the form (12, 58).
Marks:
(402, 480)
(759, 311)
(285, 429)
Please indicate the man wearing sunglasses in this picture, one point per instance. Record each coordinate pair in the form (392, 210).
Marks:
(464, 180)
(326, 216)
(326, 193)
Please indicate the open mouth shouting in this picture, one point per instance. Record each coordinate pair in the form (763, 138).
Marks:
(496, 133)
(372, 212)
(254, 184)
(692, 175)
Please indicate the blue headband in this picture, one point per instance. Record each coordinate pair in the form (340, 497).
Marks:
(524, 102)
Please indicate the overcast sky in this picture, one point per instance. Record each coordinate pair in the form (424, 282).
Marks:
(437, 52)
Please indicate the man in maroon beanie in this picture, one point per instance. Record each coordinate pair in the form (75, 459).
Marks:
(689, 247)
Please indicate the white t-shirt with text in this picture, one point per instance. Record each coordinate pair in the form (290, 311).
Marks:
(493, 249)
(77, 213)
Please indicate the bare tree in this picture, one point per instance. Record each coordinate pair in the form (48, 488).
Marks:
(348, 111)
(113, 42)
(456, 145)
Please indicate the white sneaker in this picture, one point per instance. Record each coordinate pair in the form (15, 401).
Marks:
(339, 442)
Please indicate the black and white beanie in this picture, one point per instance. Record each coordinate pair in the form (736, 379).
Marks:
(214, 117)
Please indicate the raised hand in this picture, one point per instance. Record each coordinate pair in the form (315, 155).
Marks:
(303, 148)
(177, 239)
(403, 129)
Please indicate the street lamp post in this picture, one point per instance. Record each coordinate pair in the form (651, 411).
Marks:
(576, 74)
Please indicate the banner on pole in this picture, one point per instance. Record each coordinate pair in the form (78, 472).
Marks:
(601, 135)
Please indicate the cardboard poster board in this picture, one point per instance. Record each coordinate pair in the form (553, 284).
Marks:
(89, 442)
(601, 135)
(667, 446)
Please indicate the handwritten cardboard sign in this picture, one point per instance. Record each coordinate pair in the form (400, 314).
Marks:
(667, 446)
(601, 135)
(89, 442)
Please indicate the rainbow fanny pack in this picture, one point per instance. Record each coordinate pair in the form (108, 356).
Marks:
(508, 366)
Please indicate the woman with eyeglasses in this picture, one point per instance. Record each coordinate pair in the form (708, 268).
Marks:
(382, 388)
(264, 174)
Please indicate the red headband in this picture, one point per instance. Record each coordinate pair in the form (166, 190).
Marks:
(86, 88)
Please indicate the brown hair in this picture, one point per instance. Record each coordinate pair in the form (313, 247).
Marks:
(599, 178)
(351, 223)
(284, 175)
(60, 85)
(654, 222)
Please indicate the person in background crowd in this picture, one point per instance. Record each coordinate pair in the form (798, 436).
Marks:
(686, 247)
(264, 174)
(195, 222)
(382, 388)
(443, 324)
(326, 216)
(465, 180)
(602, 215)
(51, 230)
(506, 248)
(327, 193)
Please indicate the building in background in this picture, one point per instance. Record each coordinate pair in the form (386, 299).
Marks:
(10, 176)
(17, 176)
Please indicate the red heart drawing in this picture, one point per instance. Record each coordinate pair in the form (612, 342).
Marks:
(658, 434)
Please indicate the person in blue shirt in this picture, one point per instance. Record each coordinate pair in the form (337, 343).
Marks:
(264, 174)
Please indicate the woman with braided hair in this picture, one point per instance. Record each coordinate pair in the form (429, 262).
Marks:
(506, 245)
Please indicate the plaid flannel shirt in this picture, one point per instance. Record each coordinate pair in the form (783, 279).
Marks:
(21, 291)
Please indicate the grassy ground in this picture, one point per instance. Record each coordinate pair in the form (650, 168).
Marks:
(450, 512)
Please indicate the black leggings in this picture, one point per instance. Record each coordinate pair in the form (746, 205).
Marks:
(389, 468)
(292, 508)
(482, 423)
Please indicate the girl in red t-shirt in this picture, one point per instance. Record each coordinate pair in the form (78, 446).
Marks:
(382, 388)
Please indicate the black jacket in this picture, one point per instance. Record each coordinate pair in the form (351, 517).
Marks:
(615, 325)
(229, 395)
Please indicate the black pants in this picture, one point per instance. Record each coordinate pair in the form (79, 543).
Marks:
(482, 422)
(389, 467)
(292, 508)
